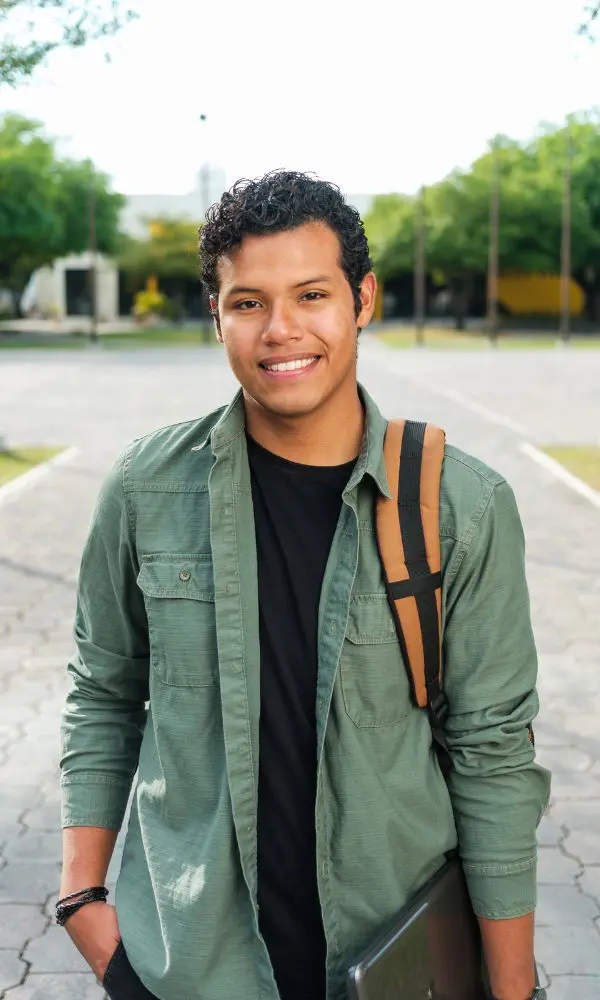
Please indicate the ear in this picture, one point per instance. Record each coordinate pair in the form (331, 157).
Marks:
(214, 309)
(368, 291)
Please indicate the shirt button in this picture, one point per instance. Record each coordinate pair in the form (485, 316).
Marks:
(184, 575)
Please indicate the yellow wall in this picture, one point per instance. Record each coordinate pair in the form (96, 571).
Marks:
(537, 295)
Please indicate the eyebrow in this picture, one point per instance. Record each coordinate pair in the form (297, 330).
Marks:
(241, 290)
(313, 281)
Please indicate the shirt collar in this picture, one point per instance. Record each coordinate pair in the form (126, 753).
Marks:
(370, 461)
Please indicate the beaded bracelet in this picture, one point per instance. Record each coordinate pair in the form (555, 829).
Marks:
(69, 905)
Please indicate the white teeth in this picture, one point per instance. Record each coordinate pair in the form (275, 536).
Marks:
(289, 366)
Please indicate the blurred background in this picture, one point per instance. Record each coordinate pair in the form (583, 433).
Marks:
(467, 134)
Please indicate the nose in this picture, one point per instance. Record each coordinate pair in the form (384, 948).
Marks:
(281, 326)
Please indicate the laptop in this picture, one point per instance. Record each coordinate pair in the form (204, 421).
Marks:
(433, 952)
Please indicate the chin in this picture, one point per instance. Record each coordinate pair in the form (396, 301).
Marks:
(291, 408)
(288, 404)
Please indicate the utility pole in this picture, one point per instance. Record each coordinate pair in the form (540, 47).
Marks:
(204, 194)
(204, 179)
(565, 249)
(493, 252)
(93, 270)
(419, 272)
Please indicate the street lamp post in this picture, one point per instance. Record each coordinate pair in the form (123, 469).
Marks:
(204, 194)
(419, 276)
(204, 179)
(93, 269)
(565, 249)
(493, 252)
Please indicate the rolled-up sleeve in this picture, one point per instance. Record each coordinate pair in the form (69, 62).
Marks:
(104, 715)
(498, 791)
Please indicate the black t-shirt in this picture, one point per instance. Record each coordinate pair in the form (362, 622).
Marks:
(296, 510)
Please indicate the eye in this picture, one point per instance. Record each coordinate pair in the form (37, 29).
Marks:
(246, 305)
(313, 296)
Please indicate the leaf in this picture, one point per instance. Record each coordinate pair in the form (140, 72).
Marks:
(77, 22)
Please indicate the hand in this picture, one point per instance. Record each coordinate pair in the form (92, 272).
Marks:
(94, 930)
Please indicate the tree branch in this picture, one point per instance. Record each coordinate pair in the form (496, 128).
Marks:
(591, 13)
(76, 22)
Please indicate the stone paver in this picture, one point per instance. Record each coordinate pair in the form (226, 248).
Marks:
(20, 922)
(565, 904)
(555, 868)
(590, 881)
(98, 402)
(12, 969)
(574, 988)
(569, 951)
(53, 952)
(78, 986)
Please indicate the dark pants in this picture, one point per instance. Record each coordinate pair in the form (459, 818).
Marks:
(120, 981)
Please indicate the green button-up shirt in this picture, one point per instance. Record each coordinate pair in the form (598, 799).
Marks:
(168, 615)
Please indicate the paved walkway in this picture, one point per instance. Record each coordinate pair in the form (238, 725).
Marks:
(488, 404)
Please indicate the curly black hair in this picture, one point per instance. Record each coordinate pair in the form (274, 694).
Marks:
(280, 201)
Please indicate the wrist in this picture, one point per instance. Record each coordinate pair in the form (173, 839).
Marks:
(70, 904)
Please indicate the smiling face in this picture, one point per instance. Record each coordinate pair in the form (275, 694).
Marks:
(286, 315)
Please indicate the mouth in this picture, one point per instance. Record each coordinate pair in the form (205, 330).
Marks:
(286, 368)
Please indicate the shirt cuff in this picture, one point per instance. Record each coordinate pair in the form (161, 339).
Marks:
(94, 800)
(500, 892)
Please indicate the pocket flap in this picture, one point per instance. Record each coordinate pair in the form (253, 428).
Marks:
(185, 576)
(370, 620)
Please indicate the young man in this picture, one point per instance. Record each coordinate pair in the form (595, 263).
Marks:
(288, 801)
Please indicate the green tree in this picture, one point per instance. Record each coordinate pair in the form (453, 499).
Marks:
(45, 203)
(580, 141)
(170, 251)
(170, 254)
(50, 24)
(389, 226)
(531, 184)
(80, 187)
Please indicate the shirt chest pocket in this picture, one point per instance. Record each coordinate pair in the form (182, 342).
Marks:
(180, 606)
(374, 680)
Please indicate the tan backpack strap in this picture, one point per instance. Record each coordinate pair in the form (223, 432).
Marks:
(409, 544)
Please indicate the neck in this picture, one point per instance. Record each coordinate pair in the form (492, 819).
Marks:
(331, 435)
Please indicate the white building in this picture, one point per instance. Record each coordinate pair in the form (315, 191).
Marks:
(63, 289)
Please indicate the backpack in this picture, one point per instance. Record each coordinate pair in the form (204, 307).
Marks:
(408, 538)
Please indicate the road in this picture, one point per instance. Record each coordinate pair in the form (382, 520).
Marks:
(489, 403)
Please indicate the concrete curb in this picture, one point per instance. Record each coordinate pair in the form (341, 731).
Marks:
(559, 472)
(17, 486)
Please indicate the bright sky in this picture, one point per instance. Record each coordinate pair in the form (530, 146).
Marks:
(377, 95)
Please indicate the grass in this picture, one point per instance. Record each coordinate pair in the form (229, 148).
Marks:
(145, 337)
(442, 338)
(16, 461)
(582, 460)
(189, 335)
(50, 343)
(436, 338)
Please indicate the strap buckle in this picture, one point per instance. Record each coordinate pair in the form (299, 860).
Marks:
(438, 709)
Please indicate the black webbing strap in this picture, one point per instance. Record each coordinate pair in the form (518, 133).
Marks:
(422, 583)
(410, 588)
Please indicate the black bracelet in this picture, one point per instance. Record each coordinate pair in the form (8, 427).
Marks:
(69, 905)
(81, 892)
